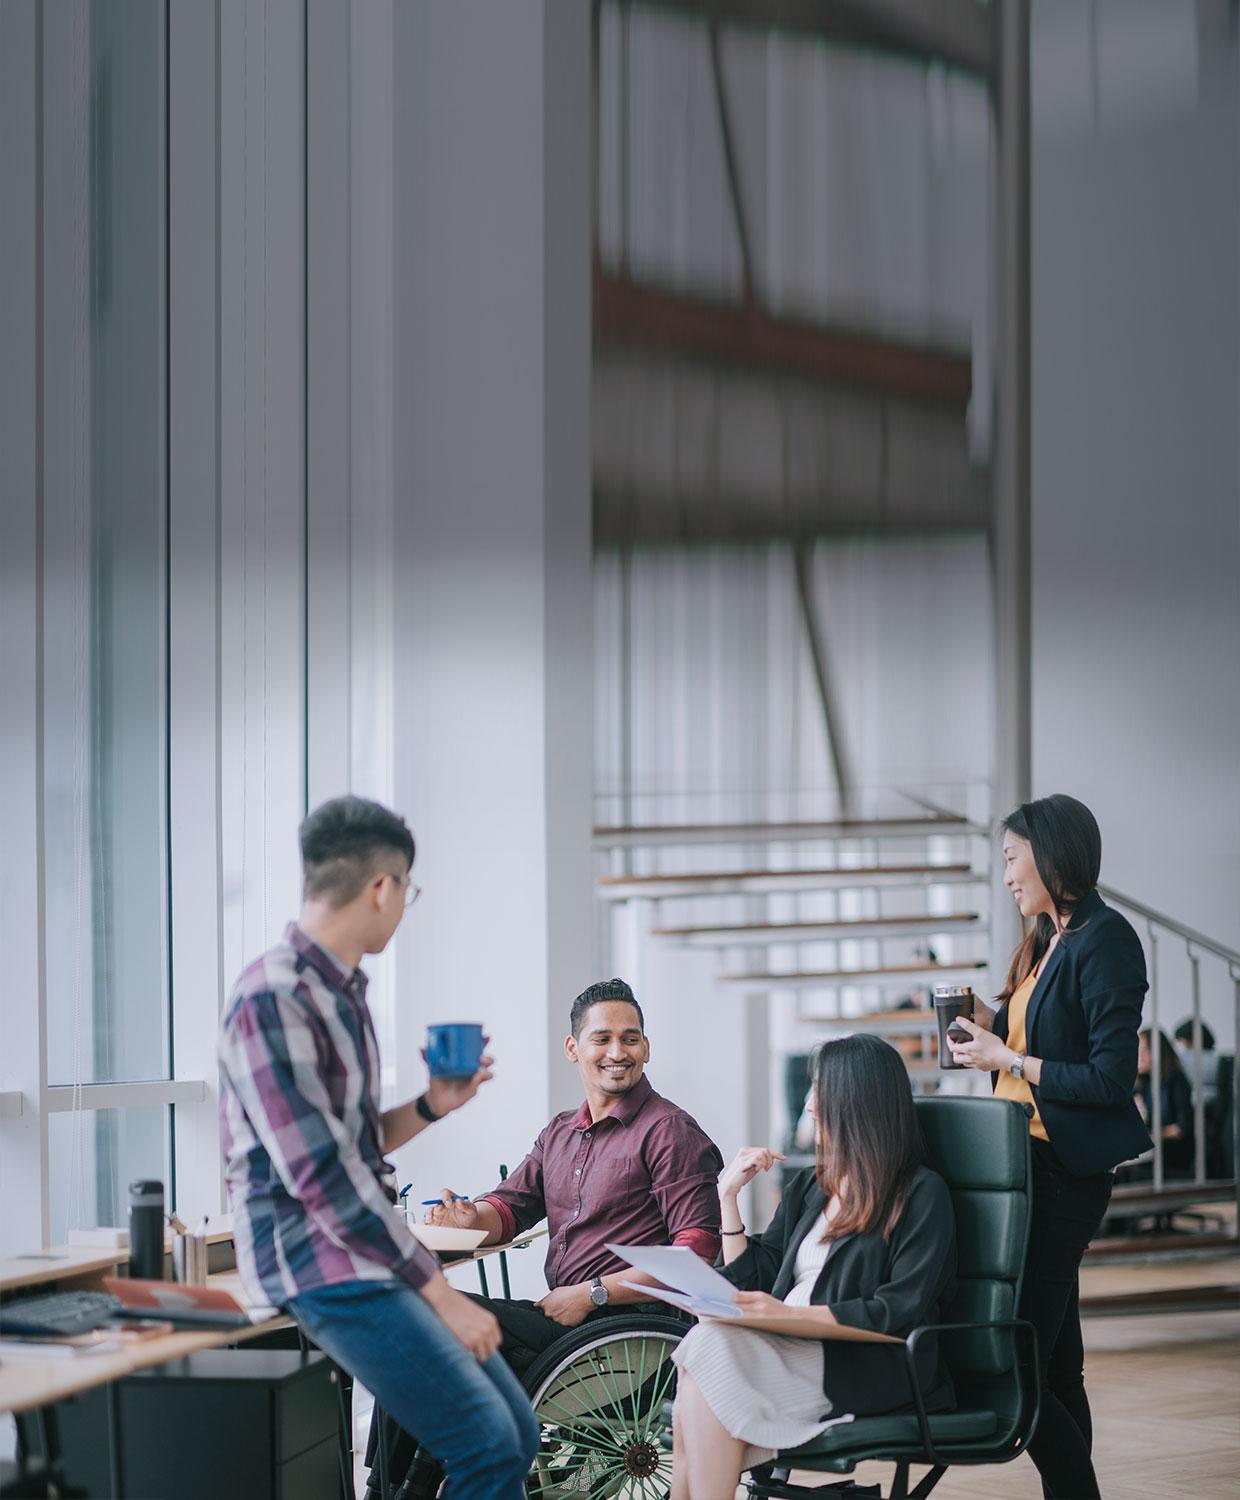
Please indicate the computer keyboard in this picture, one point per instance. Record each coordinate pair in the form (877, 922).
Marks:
(57, 1314)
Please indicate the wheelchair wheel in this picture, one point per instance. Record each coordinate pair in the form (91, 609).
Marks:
(598, 1395)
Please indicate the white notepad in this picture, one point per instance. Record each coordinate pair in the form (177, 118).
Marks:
(695, 1287)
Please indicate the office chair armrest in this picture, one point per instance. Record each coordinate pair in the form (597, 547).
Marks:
(1021, 1429)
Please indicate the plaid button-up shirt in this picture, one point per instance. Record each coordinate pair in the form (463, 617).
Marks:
(300, 1126)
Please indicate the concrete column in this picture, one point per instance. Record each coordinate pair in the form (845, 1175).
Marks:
(1010, 538)
(23, 1061)
(493, 660)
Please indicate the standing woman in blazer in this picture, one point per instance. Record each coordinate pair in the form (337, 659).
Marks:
(1063, 1043)
(867, 1239)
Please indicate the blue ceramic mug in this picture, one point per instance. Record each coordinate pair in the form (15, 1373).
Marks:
(454, 1049)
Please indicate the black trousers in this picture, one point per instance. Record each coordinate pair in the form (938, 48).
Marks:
(1066, 1213)
(527, 1330)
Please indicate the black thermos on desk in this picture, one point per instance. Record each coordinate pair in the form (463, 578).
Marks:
(146, 1230)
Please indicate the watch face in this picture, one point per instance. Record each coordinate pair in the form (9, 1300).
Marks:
(598, 1295)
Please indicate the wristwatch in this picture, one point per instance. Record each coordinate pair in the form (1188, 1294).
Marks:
(598, 1292)
(424, 1109)
(1017, 1067)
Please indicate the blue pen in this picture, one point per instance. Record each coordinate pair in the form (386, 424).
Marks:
(404, 1190)
(456, 1198)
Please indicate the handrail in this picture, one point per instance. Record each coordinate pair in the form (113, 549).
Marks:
(1195, 943)
(1189, 934)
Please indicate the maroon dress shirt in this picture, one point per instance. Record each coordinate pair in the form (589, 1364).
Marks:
(646, 1174)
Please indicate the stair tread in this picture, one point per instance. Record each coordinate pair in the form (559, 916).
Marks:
(801, 829)
(835, 975)
(918, 920)
(858, 872)
(911, 1022)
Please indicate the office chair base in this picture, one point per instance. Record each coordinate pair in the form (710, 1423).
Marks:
(772, 1482)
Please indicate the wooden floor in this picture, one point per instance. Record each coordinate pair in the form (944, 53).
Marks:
(1165, 1393)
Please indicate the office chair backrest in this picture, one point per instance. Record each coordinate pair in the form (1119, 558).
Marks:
(981, 1149)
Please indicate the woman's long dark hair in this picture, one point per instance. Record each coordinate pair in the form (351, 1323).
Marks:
(867, 1133)
(1067, 849)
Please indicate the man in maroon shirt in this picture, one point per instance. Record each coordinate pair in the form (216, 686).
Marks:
(628, 1166)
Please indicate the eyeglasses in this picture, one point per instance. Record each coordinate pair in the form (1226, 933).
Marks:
(412, 891)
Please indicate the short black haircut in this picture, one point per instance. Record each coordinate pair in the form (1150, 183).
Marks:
(604, 990)
(1184, 1033)
(343, 843)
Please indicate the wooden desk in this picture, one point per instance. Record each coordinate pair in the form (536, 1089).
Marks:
(450, 1261)
(26, 1383)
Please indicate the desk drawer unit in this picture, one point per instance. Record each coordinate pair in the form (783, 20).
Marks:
(224, 1424)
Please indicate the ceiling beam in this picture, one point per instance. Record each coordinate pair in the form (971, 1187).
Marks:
(959, 34)
(713, 331)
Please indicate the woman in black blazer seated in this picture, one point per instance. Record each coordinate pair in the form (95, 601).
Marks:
(1063, 1043)
(867, 1238)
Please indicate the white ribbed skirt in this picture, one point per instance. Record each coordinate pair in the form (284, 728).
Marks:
(764, 1388)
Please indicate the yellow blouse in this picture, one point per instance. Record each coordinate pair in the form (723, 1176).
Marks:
(1008, 1087)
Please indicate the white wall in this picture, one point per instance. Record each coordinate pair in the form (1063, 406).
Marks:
(726, 718)
(493, 745)
(1136, 511)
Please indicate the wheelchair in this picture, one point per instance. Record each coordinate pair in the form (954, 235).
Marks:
(598, 1394)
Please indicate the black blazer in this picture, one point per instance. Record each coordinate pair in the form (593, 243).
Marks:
(890, 1286)
(1082, 1021)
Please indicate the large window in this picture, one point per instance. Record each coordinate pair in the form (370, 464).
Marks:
(104, 593)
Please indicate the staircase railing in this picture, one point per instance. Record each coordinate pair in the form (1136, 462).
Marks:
(1160, 926)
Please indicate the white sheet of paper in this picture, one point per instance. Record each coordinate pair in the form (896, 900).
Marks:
(700, 1307)
(678, 1267)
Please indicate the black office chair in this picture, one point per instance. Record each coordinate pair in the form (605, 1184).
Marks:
(981, 1149)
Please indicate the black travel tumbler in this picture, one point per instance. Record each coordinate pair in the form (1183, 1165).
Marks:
(146, 1230)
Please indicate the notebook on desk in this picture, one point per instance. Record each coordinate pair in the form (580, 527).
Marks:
(187, 1306)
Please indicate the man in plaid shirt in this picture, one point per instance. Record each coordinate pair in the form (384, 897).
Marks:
(311, 1194)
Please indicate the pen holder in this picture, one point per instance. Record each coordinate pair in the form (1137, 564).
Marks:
(189, 1259)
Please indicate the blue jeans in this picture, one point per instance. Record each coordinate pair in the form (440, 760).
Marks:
(473, 1417)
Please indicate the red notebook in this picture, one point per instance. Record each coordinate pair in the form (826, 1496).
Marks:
(197, 1306)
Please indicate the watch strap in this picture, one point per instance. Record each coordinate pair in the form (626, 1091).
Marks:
(424, 1109)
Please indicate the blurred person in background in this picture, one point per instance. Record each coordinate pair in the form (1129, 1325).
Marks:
(1176, 1097)
(1209, 1059)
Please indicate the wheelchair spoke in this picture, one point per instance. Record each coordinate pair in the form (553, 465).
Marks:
(574, 1412)
(599, 1442)
(616, 1387)
(641, 1370)
(665, 1378)
(612, 1396)
(576, 1421)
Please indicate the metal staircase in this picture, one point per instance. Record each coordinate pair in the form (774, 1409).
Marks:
(853, 918)
(849, 924)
